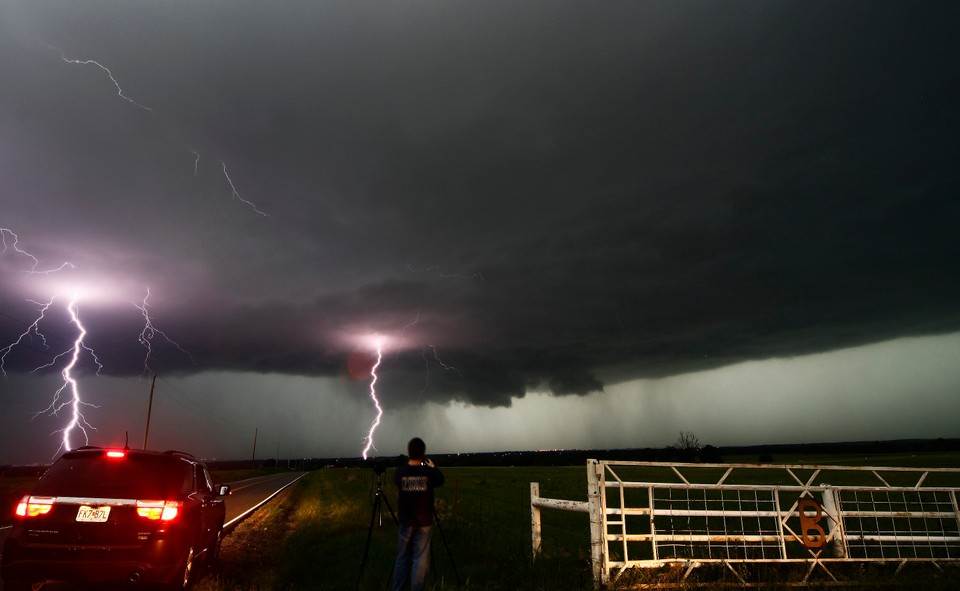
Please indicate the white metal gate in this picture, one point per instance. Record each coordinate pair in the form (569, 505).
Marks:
(648, 514)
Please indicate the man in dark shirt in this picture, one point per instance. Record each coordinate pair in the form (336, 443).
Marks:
(415, 480)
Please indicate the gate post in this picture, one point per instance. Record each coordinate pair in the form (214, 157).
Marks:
(831, 507)
(535, 527)
(598, 545)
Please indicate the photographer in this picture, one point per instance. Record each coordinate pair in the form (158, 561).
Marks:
(415, 480)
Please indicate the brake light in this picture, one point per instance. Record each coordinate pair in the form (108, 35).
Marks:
(114, 453)
(158, 510)
(34, 506)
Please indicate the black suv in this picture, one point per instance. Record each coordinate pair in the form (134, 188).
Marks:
(101, 515)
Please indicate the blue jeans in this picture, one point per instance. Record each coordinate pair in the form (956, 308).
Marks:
(413, 557)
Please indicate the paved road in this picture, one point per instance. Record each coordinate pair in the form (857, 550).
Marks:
(245, 497)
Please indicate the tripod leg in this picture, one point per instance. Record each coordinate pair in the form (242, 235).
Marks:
(392, 514)
(393, 565)
(366, 549)
(443, 537)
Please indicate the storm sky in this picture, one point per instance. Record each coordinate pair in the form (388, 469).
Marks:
(571, 224)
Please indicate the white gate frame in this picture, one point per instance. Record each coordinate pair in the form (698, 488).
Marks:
(858, 521)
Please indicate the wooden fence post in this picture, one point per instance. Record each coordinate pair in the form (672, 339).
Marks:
(535, 526)
(597, 545)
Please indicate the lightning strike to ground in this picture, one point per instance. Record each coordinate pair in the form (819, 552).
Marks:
(150, 331)
(376, 403)
(73, 401)
(77, 420)
(196, 162)
(109, 75)
(237, 196)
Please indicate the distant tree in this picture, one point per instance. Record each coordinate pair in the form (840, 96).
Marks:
(687, 440)
(687, 446)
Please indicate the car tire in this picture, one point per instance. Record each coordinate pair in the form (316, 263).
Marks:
(184, 573)
(213, 551)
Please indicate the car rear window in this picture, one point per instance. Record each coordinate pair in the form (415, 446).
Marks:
(134, 476)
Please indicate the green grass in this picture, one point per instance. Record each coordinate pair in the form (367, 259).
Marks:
(315, 535)
(485, 520)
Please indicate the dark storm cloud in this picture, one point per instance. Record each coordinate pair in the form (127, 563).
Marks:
(536, 194)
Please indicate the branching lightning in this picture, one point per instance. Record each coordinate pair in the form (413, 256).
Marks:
(236, 195)
(150, 331)
(376, 402)
(34, 328)
(14, 239)
(74, 402)
(109, 74)
(444, 365)
(426, 360)
(196, 162)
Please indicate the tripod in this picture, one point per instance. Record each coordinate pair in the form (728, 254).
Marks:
(453, 565)
(375, 511)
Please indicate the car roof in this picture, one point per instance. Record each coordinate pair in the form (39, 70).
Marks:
(94, 450)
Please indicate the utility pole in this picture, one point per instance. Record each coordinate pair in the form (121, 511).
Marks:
(255, 430)
(146, 432)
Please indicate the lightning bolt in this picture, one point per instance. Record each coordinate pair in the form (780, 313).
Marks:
(33, 328)
(426, 360)
(376, 402)
(120, 93)
(150, 331)
(442, 275)
(14, 244)
(68, 394)
(403, 331)
(444, 365)
(109, 75)
(236, 195)
(70, 386)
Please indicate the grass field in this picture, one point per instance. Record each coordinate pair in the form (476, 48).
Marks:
(316, 535)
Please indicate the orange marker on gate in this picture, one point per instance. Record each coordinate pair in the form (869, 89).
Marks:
(808, 524)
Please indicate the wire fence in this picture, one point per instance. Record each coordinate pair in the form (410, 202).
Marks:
(648, 515)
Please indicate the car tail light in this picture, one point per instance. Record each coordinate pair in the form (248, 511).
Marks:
(34, 506)
(159, 510)
(115, 453)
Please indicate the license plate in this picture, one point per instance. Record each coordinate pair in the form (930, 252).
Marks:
(93, 514)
